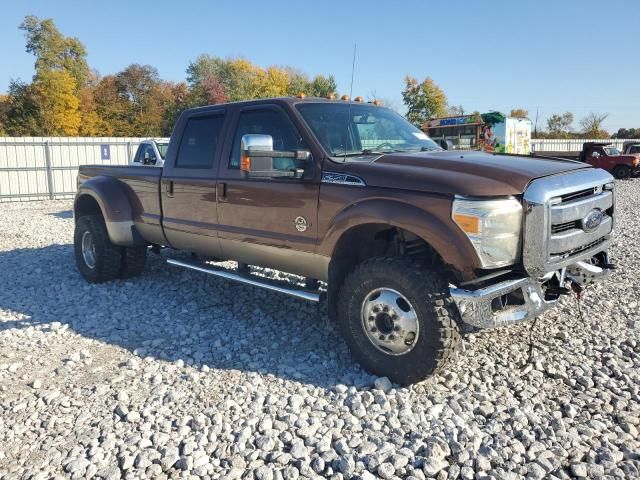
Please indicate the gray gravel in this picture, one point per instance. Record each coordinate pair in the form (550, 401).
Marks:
(177, 375)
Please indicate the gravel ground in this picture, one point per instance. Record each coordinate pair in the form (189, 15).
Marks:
(176, 374)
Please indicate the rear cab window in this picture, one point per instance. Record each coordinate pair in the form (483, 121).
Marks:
(200, 139)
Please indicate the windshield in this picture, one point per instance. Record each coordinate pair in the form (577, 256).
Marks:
(162, 149)
(367, 130)
(611, 151)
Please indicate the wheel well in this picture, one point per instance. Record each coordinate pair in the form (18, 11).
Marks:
(374, 240)
(86, 205)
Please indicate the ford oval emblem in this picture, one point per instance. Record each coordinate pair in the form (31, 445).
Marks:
(592, 221)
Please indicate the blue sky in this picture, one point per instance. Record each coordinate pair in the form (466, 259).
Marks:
(557, 56)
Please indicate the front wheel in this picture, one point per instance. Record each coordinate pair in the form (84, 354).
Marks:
(398, 319)
(621, 172)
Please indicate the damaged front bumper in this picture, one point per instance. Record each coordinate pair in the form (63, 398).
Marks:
(517, 300)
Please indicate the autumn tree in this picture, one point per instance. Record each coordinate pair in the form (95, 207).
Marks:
(592, 127)
(215, 79)
(112, 108)
(54, 51)
(423, 100)
(519, 113)
(178, 101)
(58, 105)
(213, 89)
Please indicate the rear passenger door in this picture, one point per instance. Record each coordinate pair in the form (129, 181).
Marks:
(189, 185)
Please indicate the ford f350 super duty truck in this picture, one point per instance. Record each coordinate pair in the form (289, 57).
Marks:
(405, 241)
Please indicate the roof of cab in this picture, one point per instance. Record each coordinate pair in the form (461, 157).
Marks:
(286, 100)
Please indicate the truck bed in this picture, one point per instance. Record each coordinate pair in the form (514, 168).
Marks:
(141, 185)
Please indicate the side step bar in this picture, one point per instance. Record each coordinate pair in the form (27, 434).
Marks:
(248, 279)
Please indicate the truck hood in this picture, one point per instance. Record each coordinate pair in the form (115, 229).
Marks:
(459, 173)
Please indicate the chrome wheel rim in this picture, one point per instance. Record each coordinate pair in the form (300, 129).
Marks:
(390, 321)
(88, 250)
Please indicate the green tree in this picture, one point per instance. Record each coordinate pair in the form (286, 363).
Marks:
(627, 133)
(322, 86)
(22, 112)
(423, 100)
(559, 125)
(4, 109)
(135, 83)
(54, 51)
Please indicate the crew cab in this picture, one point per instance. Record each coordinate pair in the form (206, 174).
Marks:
(407, 242)
(150, 153)
(606, 156)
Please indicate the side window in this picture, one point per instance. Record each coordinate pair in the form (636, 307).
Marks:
(148, 155)
(199, 142)
(268, 122)
(139, 155)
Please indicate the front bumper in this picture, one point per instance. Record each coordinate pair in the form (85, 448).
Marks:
(490, 307)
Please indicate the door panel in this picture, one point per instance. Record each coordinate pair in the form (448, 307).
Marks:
(257, 217)
(189, 191)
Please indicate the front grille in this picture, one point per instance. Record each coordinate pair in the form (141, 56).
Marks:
(566, 226)
(557, 209)
(580, 249)
(569, 197)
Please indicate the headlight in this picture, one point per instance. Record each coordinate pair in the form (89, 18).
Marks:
(494, 228)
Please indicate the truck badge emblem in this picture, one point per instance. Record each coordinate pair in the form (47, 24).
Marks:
(301, 224)
(592, 221)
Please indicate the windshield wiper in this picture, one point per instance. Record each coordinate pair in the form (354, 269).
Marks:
(358, 153)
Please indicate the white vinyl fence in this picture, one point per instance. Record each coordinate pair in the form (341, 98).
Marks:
(37, 168)
(573, 144)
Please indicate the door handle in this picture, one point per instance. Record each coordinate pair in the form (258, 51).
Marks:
(222, 191)
(169, 188)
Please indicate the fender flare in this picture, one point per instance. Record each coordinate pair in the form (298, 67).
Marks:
(445, 238)
(112, 198)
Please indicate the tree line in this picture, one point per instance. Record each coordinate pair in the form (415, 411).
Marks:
(67, 98)
(425, 100)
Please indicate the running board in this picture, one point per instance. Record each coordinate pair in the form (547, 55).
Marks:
(248, 279)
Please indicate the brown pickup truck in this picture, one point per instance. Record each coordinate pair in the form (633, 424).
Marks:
(405, 241)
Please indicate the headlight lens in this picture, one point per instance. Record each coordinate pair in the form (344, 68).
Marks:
(494, 227)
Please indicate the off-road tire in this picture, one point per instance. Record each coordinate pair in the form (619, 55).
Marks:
(108, 256)
(621, 172)
(133, 261)
(428, 293)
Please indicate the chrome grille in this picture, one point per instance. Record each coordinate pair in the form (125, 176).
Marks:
(564, 227)
(576, 195)
(557, 232)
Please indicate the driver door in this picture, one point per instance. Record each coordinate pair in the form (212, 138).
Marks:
(269, 221)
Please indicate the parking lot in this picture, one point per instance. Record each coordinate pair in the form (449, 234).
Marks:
(178, 374)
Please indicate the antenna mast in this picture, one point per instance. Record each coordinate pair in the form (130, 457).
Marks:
(353, 68)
